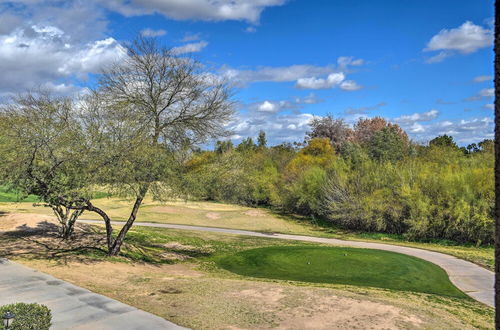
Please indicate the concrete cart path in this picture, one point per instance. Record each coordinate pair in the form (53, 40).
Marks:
(472, 279)
(72, 307)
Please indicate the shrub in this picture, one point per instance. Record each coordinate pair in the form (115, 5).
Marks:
(28, 316)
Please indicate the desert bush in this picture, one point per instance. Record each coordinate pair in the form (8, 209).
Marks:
(28, 316)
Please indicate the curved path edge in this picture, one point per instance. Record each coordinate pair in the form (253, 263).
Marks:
(475, 281)
(72, 307)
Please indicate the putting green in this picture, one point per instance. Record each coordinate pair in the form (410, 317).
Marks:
(338, 265)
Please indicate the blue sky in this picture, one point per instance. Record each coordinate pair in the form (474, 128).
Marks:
(426, 65)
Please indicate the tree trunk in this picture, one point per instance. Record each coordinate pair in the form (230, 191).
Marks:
(115, 250)
(497, 164)
(107, 221)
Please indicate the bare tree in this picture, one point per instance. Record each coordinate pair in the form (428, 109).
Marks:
(142, 113)
(336, 130)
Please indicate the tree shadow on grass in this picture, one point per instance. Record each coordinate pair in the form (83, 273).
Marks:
(43, 242)
(88, 245)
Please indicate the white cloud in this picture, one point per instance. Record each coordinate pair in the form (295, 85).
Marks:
(153, 33)
(277, 106)
(278, 127)
(439, 57)
(344, 61)
(251, 29)
(350, 85)
(465, 39)
(206, 10)
(274, 74)
(194, 47)
(332, 80)
(267, 106)
(421, 128)
(480, 79)
(489, 106)
(31, 57)
(191, 37)
(417, 117)
(483, 93)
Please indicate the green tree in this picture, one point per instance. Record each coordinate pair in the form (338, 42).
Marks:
(261, 139)
(387, 145)
(443, 141)
(42, 150)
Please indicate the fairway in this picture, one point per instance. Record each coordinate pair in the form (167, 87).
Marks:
(336, 265)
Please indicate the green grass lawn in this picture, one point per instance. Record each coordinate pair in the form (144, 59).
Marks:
(8, 196)
(360, 267)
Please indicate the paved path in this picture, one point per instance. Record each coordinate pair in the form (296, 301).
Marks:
(72, 307)
(472, 279)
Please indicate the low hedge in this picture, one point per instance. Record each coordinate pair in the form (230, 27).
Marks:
(27, 316)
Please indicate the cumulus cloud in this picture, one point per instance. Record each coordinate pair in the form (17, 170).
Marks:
(33, 56)
(278, 127)
(194, 47)
(464, 131)
(350, 86)
(465, 39)
(417, 117)
(332, 80)
(206, 10)
(153, 33)
(480, 79)
(271, 106)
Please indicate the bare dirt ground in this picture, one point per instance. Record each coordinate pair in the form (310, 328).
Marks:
(202, 299)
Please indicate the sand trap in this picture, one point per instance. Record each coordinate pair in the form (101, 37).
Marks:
(213, 215)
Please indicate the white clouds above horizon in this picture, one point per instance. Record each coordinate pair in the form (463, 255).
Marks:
(483, 93)
(205, 10)
(153, 33)
(194, 47)
(41, 55)
(464, 39)
(331, 81)
(480, 79)
(417, 117)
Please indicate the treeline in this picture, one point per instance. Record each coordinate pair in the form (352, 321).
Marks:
(368, 178)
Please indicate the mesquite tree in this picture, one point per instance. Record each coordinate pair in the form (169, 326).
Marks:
(41, 151)
(144, 111)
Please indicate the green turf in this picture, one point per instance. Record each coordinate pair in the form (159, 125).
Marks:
(9, 195)
(336, 265)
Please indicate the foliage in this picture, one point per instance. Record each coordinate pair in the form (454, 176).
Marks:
(28, 316)
(335, 130)
(384, 185)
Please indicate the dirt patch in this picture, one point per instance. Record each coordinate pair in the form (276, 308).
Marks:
(213, 215)
(255, 213)
(14, 221)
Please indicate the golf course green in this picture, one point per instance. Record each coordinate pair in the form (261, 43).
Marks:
(340, 265)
